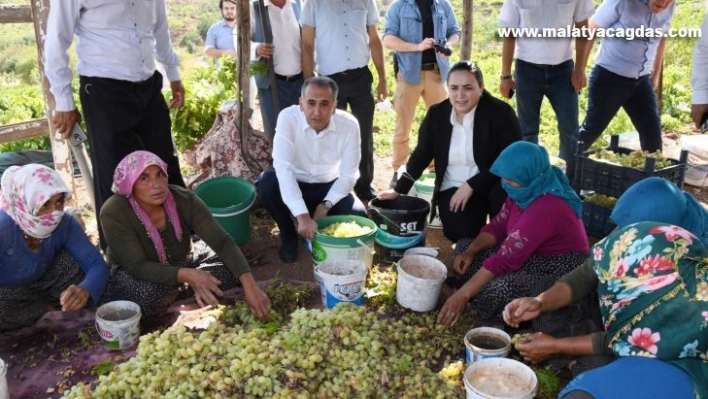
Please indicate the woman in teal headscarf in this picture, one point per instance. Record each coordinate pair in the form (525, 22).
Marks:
(537, 236)
(659, 200)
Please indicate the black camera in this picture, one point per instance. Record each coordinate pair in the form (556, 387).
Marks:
(441, 47)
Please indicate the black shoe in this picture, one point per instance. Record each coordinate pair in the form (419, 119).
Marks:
(367, 195)
(288, 251)
(394, 180)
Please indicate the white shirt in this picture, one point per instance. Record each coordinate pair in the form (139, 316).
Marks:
(302, 155)
(699, 75)
(286, 38)
(116, 39)
(461, 165)
(544, 14)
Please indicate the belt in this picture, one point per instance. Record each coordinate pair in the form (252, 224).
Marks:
(547, 66)
(289, 78)
(348, 72)
(430, 67)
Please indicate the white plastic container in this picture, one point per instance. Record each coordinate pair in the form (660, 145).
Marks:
(427, 251)
(4, 390)
(500, 378)
(118, 324)
(697, 170)
(420, 279)
(341, 281)
(486, 342)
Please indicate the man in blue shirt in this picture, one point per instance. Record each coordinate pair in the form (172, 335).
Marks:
(220, 40)
(420, 69)
(626, 72)
(346, 38)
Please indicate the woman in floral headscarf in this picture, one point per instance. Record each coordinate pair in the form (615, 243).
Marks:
(652, 282)
(147, 224)
(47, 261)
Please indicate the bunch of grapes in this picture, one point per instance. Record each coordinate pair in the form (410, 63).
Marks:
(332, 353)
(635, 159)
(602, 200)
(345, 229)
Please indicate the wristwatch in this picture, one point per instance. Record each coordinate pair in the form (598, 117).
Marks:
(327, 204)
(504, 77)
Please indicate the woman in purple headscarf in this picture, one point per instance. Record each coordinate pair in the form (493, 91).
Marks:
(47, 261)
(147, 225)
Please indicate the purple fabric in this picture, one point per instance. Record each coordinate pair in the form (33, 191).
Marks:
(127, 172)
(549, 226)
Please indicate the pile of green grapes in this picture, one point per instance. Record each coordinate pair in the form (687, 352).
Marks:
(635, 159)
(345, 352)
(345, 229)
(602, 200)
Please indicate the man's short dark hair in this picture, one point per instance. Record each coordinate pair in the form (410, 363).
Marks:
(320, 81)
(469, 66)
(221, 3)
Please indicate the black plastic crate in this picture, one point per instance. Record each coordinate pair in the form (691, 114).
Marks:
(611, 179)
(597, 220)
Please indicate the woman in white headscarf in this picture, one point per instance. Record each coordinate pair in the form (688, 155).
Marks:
(47, 261)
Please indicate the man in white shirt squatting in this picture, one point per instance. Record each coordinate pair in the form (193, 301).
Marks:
(316, 155)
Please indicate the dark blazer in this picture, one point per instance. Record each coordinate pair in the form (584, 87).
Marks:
(495, 127)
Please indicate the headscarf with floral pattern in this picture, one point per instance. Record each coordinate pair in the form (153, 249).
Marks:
(126, 174)
(25, 189)
(653, 290)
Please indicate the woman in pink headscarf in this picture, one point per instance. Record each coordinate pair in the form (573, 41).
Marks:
(147, 225)
(47, 261)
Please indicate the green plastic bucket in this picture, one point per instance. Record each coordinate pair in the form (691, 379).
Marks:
(328, 248)
(230, 200)
(425, 186)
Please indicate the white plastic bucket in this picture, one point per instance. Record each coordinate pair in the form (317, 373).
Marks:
(427, 251)
(341, 280)
(420, 279)
(486, 342)
(4, 390)
(500, 378)
(118, 324)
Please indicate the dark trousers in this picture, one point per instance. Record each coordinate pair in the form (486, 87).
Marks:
(607, 92)
(355, 92)
(288, 94)
(468, 222)
(123, 117)
(269, 195)
(533, 82)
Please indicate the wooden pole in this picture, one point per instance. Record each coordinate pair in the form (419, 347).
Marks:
(467, 26)
(60, 147)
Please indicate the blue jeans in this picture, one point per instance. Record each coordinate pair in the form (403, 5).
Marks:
(288, 94)
(607, 92)
(534, 81)
(269, 195)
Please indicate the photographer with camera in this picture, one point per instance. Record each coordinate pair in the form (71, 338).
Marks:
(421, 60)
